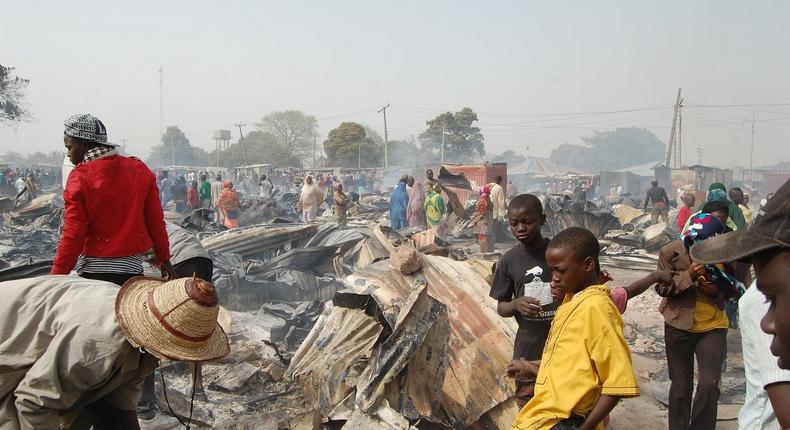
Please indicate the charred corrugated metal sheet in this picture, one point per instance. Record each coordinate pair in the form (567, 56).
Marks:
(247, 241)
(335, 353)
(478, 343)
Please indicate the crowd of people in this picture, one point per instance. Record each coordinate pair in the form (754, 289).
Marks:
(25, 184)
(69, 364)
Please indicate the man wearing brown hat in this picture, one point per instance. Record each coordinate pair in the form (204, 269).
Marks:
(767, 245)
(68, 361)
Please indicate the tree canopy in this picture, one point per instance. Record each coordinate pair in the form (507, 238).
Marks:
(509, 156)
(611, 150)
(348, 145)
(175, 150)
(261, 147)
(12, 96)
(463, 142)
(294, 133)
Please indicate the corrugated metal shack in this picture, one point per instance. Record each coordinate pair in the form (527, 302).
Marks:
(477, 174)
(697, 177)
(635, 180)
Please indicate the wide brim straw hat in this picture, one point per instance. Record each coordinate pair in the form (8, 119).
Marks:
(174, 319)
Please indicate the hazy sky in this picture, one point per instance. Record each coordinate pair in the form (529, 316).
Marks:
(519, 64)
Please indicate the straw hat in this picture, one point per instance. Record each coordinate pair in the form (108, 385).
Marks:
(175, 319)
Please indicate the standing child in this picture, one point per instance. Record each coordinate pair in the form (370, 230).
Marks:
(586, 366)
(517, 267)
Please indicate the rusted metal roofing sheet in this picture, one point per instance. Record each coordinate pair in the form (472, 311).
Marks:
(437, 322)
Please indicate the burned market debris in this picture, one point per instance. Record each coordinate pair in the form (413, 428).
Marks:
(358, 326)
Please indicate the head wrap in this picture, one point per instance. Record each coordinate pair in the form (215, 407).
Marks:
(717, 186)
(717, 195)
(702, 226)
(228, 184)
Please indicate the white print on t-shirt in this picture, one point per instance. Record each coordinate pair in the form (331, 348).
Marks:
(536, 272)
(537, 289)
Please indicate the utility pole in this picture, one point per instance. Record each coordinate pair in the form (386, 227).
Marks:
(751, 154)
(443, 130)
(679, 149)
(241, 138)
(161, 103)
(359, 155)
(172, 151)
(672, 132)
(386, 142)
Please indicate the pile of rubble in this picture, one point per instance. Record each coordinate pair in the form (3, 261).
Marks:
(352, 327)
(29, 234)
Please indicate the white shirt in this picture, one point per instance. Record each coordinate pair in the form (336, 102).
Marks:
(759, 364)
(497, 196)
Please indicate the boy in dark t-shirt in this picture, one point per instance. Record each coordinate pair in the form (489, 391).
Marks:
(517, 267)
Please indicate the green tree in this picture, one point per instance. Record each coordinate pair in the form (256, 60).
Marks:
(12, 96)
(261, 147)
(462, 141)
(175, 149)
(348, 145)
(611, 150)
(295, 133)
(509, 156)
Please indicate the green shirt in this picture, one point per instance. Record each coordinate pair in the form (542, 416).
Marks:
(204, 192)
(434, 208)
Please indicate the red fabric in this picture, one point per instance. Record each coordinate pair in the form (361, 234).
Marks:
(229, 198)
(112, 209)
(193, 202)
(683, 216)
(619, 297)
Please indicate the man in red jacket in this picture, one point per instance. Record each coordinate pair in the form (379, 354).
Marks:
(113, 216)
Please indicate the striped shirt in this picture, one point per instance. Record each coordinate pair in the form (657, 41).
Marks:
(131, 264)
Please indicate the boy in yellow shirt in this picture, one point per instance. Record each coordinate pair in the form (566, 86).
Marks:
(586, 364)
